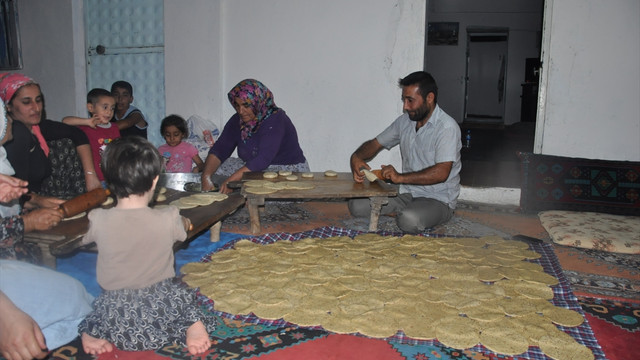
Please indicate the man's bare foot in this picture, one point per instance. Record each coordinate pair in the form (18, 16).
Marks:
(197, 338)
(95, 346)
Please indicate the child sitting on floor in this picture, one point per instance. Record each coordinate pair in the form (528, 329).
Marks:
(99, 130)
(143, 306)
(179, 155)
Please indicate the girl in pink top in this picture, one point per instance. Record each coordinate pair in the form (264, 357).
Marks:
(179, 156)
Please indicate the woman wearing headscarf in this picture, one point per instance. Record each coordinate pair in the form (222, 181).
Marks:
(263, 134)
(30, 153)
(37, 213)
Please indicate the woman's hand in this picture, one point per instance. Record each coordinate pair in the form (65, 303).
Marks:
(20, 336)
(236, 176)
(11, 188)
(207, 184)
(41, 219)
(211, 164)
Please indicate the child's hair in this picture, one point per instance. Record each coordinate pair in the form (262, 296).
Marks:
(121, 84)
(178, 121)
(95, 94)
(129, 165)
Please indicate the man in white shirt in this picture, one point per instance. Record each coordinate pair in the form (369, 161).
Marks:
(430, 146)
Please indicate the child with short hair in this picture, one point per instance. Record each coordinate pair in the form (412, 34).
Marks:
(128, 118)
(179, 155)
(143, 306)
(99, 130)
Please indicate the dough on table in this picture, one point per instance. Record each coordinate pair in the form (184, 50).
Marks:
(270, 175)
(260, 190)
(78, 216)
(284, 172)
(108, 202)
(330, 173)
(307, 175)
(180, 204)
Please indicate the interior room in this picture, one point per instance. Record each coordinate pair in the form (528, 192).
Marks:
(544, 93)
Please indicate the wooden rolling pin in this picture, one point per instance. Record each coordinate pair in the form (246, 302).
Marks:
(84, 202)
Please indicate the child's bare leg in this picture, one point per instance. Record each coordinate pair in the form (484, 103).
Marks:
(197, 338)
(95, 346)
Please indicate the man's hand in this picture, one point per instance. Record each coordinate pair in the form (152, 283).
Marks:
(11, 188)
(357, 165)
(359, 158)
(20, 336)
(390, 173)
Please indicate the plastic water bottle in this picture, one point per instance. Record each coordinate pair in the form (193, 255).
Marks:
(467, 139)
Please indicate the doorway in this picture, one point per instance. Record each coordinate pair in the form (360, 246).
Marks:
(125, 41)
(485, 78)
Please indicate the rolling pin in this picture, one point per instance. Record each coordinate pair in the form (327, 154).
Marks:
(84, 202)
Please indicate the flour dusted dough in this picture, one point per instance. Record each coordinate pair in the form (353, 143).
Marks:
(108, 202)
(451, 289)
(78, 216)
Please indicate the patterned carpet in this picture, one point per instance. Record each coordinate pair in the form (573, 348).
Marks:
(607, 286)
(589, 271)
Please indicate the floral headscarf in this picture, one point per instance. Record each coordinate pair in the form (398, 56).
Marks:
(261, 99)
(10, 83)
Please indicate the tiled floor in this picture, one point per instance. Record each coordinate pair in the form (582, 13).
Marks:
(492, 160)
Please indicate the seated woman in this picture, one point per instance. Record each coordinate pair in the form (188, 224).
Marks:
(263, 134)
(40, 212)
(30, 153)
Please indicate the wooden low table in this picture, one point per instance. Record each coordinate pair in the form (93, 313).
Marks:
(67, 236)
(325, 187)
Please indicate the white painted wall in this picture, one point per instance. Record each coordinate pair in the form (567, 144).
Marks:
(49, 53)
(192, 58)
(591, 107)
(447, 63)
(332, 66)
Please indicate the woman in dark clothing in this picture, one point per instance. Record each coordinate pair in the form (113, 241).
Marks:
(30, 153)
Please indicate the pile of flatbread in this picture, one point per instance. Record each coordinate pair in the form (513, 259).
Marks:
(462, 291)
(269, 187)
(198, 199)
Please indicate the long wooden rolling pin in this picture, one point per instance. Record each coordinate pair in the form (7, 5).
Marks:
(84, 202)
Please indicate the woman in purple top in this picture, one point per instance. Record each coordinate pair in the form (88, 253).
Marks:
(263, 134)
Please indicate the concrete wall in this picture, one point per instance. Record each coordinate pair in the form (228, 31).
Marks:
(590, 106)
(49, 41)
(335, 79)
(333, 67)
(193, 59)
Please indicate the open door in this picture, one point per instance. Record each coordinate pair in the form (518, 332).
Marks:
(485, 81)
(125, 41)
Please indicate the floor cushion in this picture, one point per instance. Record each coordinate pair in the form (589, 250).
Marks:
(592, 230)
